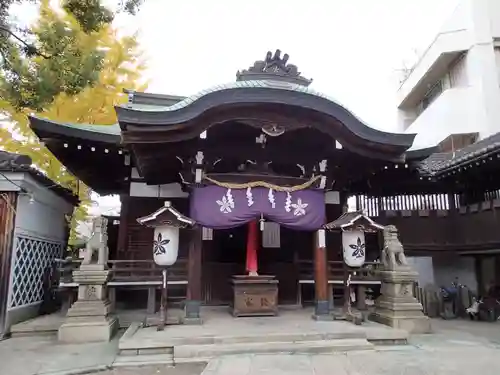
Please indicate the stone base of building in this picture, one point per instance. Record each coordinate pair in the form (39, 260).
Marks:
(192, 313)
(397, 307)
(192, 321)
(322, 311)
(323, 317)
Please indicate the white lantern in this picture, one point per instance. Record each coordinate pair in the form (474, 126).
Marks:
(354, 249)
(166, 245)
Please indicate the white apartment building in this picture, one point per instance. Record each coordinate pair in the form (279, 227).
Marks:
(455, 86)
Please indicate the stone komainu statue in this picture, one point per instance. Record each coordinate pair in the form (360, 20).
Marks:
(393, 256)
(98, 242)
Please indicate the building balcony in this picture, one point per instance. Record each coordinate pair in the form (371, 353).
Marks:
(453, 112)
(434, 64)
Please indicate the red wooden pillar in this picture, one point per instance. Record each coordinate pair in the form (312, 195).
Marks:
(252, 242)
(322, 307)
(193, 301)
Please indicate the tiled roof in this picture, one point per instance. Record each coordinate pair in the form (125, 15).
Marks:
(348, 219)
(98, 133)
(268, 83)
(439, 162)
(10, 162)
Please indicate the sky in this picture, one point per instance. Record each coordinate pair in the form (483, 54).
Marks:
(353, 49)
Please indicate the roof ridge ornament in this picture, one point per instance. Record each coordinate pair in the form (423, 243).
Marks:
(274, 67)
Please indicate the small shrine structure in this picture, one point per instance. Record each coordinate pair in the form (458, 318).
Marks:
(29, 242)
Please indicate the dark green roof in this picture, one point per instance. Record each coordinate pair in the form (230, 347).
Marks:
(99, 133)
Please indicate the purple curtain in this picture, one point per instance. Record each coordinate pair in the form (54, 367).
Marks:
(220, 208)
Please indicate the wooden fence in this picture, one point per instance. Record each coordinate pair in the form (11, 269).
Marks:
(434, 305)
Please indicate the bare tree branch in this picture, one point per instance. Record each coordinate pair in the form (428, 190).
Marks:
(29, 48)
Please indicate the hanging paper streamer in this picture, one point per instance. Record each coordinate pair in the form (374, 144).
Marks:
(354, 249)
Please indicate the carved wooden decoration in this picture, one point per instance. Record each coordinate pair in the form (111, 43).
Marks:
(274, 67)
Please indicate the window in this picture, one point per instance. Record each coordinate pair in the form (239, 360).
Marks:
(432, 95)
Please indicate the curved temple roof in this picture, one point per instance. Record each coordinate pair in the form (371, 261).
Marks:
(271, 92)
(255, 92)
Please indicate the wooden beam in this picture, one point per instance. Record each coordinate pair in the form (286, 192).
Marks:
(8, 204)
(122, 243)
(192, 310)
(322, 307)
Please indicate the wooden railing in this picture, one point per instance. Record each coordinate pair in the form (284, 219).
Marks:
(439, 222)
(127, 270)
(376, 206)
(145, 270)
(336, 271)
(469, 228)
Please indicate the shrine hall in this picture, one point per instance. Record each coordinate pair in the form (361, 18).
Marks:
(253, 173)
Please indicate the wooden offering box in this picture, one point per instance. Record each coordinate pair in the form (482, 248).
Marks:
(255, 296)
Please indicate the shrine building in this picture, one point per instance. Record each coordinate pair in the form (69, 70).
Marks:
(260, 165)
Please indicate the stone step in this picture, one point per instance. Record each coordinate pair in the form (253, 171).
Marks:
(49, 332)
(130, 342)
(143, 360)
(303, 347)
(203, 353)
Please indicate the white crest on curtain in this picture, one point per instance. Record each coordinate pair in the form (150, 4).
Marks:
(299, 208)
(354, 249)
(271, 237)
(226, 204)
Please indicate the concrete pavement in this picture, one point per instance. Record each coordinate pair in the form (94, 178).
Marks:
(44, 355)
(408, 362)
(458, 347)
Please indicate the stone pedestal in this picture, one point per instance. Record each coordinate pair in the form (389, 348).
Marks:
(397, 306)
(89, 319)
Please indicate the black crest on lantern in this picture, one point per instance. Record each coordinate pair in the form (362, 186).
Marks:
(160, 245)
(359, 249)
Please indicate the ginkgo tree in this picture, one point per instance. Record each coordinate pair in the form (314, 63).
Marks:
(34, 69)
(122, 68)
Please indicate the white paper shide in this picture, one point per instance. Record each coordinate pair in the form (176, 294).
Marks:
(166, 245)
(354, 249)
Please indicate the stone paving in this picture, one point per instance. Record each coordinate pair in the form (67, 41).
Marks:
(458, 348)
(182, 369)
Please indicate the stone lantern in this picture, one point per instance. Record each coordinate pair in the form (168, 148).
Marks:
(166, 222)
